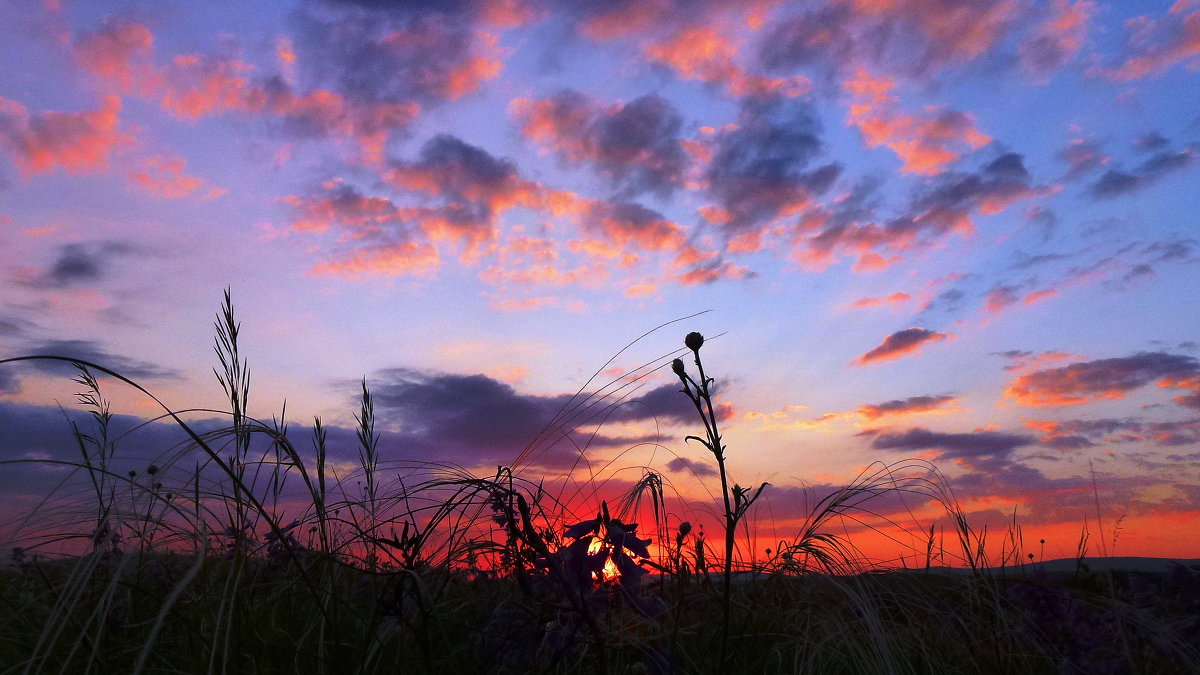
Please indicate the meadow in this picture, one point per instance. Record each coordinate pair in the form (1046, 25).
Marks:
(247, 548)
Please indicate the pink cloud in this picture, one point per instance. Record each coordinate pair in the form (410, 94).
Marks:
(165, 177)
(79, 142)
(119, 52)
(406, 258)
(923, 144)
(896, 298)
(954, 32)
(1058, 39)
(1157, 44)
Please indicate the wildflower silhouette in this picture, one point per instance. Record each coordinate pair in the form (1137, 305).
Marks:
(737, 499)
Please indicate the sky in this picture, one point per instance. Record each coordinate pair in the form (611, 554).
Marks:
(963, 232)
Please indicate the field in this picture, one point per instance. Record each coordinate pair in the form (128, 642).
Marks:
(242, 550)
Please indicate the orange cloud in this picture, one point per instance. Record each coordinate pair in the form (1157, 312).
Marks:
(77, 142)
(893, 299)
(346, 207)
(924, 145)
(869, 261)
(623, 19)
(409, 258)
(908, 406)
(1111, 378)
(701, 53)
(898, 344)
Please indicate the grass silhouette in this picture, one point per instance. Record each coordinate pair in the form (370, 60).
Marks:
(246, 549)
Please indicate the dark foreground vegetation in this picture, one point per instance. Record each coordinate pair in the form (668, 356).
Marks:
(243, 550)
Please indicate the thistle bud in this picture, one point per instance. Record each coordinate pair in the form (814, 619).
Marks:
(677, 366)
(685, 528)
(693, 341)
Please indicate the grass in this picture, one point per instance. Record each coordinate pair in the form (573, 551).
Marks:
(245, 549)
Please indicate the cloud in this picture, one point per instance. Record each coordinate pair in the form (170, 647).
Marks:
(469, 187)
(818, 38)
(633, 226)
(685, 465)
(1110, 378)
(91, 351)
(899, 297)
(973, 445)
(898, 344)
(635, 146)
(705, 54)
(82, 264)
(9, 382)
(196, 86)
(1057, 39)
(1114, 182)
(945, 204)
(118, 52)
(1082, 156)
(164, 177)
(1156, 45)
(396, 55)
(924, 144)
(78, 142)
(1081, 433)
(759, 170)
(912, 37)
(475, 419)
(913, 404)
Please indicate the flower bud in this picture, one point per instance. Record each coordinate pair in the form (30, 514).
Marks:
(693, 341)
(677, 366)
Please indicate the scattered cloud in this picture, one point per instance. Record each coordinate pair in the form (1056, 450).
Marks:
(635, 146)
(93, 352)
(685, 465)
(1057, 38)
(925, 144)
(898, 344)
(910, 405)
(703, 53)
(1154, 45)
(164, 177)
(897, 298)
(81, 264)
(1115, 182)
(77, 142)
(1111, 378)
(972, 445)
(760, 167)
(475, 419)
